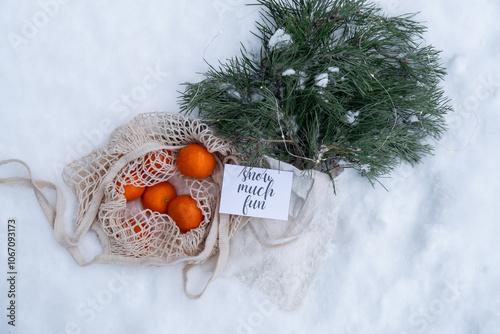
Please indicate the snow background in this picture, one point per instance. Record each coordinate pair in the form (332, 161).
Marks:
(422, 257)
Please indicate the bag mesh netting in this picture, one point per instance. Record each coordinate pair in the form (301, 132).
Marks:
(143, 153)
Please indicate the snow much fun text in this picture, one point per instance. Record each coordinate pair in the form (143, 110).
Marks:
(257, 193)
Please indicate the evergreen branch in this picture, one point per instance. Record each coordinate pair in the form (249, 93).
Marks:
(335, 82)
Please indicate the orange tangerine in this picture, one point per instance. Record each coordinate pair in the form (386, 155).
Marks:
(195, 160)
(139, 229)
(185, 213)
(155, 161)
(158, 197)
(131, 191)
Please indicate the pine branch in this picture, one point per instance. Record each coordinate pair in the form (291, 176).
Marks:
(335, 84)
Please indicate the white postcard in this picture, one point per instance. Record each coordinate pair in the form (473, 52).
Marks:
(256, 192)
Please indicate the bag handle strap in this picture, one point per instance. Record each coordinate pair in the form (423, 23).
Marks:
(222, 257)
(54, 214)
(266, 237)
(220, 226)
(274, 241)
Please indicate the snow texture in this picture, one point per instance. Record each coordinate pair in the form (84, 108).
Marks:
(279, 39)
(289, 72)
(334, 70)
(321, 80)
(420, 257)
(352, 116)
(302, 80)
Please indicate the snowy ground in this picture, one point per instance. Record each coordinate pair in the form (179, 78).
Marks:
(422, 257)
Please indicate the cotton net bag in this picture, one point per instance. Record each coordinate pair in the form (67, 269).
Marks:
(286, 256)
(278, 258)
(143, 153)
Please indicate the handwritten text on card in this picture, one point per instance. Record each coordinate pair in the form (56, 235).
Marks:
(256, 192)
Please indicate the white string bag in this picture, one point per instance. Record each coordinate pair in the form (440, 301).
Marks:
(277, 258)
(281, 258)
(142, 153)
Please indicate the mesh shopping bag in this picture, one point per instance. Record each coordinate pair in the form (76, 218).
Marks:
(143, 153)
(286, 255)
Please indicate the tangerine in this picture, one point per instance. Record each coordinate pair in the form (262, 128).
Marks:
(131, 191)
(195, 160)
(185, 213)
(155, 161)
(158, 197)
(142, 236)
(139, 229)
